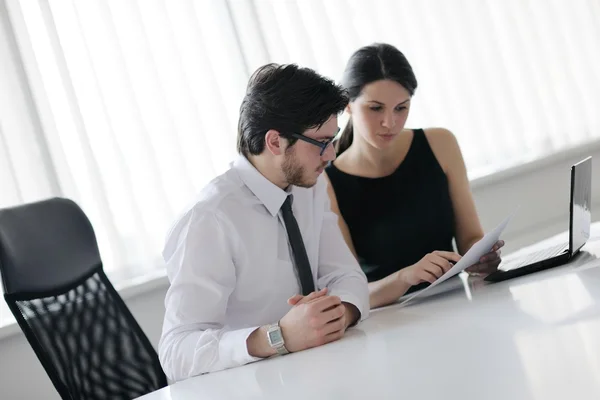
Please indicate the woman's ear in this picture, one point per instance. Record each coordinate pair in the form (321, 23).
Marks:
(349, 109)
(274, 142)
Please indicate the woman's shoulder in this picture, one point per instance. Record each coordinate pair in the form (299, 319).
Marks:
(439, 136)
(444, 146)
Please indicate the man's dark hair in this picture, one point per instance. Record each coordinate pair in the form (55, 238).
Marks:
(288, 99)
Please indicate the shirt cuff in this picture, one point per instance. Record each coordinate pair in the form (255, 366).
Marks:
(354, 300)
(233, 346)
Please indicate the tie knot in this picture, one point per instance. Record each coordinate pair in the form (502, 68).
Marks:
(287, 204)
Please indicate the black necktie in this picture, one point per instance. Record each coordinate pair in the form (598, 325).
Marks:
(300, 257)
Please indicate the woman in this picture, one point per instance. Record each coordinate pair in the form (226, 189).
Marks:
(402, 195)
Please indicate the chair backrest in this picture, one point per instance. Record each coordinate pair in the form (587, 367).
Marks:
(79, 327)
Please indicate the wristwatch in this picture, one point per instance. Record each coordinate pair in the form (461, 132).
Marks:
(275, 338)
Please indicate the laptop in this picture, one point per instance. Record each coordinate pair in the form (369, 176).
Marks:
(579, 231)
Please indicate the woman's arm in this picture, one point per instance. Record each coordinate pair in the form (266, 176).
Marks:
(447, 151)
(342, 224)
(468, 227)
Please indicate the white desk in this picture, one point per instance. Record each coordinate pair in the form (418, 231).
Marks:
(534, 337)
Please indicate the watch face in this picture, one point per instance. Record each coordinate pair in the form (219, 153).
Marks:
(275, 337)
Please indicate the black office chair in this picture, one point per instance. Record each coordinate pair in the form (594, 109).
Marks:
(79, 327)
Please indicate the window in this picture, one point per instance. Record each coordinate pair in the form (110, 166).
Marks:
(135, 102)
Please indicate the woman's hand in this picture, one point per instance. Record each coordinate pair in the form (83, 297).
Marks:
(429, 268)
(489, 262)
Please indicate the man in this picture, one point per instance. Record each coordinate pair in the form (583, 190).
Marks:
(258, 265)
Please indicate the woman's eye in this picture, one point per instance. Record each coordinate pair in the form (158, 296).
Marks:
(376, 108)
(400, 108)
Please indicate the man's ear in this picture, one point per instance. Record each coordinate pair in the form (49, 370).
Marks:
(274, 142)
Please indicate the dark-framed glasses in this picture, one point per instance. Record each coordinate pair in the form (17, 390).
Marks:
(323, 144)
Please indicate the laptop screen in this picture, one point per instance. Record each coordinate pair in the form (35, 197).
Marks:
(581, 195)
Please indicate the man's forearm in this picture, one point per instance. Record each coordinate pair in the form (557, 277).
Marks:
(258, 345)
(184, 353)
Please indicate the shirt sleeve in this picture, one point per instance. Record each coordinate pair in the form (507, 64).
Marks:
(338, 269)
(200, 268)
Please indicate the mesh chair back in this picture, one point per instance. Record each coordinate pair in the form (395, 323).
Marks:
(81, 330)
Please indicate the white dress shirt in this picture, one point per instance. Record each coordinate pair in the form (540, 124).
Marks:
(231, 269)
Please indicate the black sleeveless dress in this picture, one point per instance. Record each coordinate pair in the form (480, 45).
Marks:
(396, 220)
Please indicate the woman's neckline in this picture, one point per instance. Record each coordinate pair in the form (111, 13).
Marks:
(401, 163)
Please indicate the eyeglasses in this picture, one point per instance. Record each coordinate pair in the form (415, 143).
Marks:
(322, 144)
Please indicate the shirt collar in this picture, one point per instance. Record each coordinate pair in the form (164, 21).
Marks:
(271, 195)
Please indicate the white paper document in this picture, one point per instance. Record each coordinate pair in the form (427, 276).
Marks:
(472, 256)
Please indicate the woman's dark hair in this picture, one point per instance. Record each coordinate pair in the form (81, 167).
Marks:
(286, 98)
(368, 64)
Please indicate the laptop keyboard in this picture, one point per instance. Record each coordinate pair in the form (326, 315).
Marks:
(534, 257)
